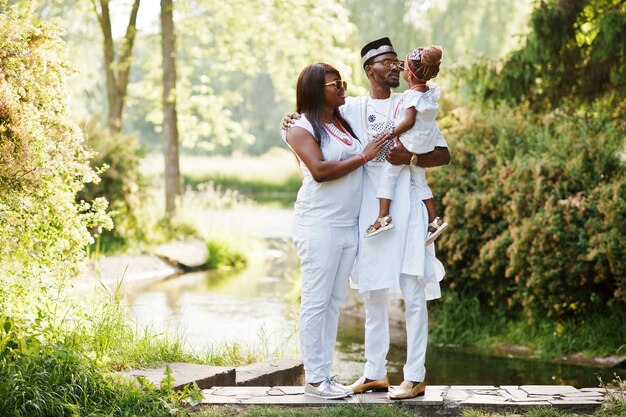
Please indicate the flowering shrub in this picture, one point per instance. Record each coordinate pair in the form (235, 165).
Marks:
(43, 164)
(537, 205)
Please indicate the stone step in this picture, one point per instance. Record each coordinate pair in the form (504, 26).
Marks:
(285, 372)
(206, 376)
(438, 400)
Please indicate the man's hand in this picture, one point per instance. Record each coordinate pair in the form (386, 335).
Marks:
(398, 154)
(289, 120)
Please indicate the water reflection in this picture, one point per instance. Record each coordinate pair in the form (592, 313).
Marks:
(257, 307)
(212, 308)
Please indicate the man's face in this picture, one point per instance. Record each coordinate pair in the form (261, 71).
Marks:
(385, 69)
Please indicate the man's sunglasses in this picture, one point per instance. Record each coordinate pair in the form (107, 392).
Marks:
(388, 63)
(338, 84)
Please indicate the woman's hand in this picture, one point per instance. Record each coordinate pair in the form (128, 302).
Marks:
(375, 145)
(289, 120)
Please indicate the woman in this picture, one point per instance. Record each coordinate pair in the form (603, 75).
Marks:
(325, 217)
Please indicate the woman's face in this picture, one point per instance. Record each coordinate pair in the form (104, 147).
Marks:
(332, 96)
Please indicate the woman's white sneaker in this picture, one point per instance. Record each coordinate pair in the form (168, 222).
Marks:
(326, 390)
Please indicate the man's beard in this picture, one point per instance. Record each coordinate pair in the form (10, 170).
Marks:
(392, 84)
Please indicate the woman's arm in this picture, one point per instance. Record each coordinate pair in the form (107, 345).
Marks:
(309, 152)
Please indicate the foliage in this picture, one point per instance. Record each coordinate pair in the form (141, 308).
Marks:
(460, 320)
(538, 208)
(117, 156)
(259, 190)
(43, 164)
(350, 410)
(615, 395)
(575, 49)
(221, 256)
(235, 81)
(44, 372)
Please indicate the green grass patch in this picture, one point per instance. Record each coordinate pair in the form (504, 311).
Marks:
(222, 256)
(263, 191)
(357, 410)
(462, 320)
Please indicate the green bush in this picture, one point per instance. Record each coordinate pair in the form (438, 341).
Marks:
(48, 372)
(575, 49)
(43, 164)
(537, 206)
(118, 157)
(221, 256)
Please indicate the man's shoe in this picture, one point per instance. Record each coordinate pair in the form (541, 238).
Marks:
(407, 390)
(325, 390)
(376, 385)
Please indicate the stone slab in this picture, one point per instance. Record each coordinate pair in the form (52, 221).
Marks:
(283, 372)
(242, 391)
(442, 401)
(206, 376)
(289, 390)
(548, 389)
(127, 269)
(187, 254)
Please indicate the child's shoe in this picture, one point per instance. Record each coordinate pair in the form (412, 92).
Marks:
(437, 226)
(385, 224)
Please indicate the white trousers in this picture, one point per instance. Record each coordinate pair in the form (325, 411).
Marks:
(389, 176)
(327, 256)
(377, 330)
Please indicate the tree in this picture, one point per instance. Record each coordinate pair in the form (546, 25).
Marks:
(223, 58)
(117, 73)
(170, 127)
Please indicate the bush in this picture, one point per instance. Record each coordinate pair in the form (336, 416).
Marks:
(221, 256)
(537, 206)
(48, 372)
(43, 164)
(118, 157)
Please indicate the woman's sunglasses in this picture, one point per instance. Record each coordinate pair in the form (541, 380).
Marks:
(339, 84)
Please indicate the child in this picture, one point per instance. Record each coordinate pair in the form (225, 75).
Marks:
(419, 133)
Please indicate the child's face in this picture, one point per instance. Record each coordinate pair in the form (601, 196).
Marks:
(405, 75)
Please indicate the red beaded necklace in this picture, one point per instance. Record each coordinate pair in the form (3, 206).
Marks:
(415, 86)
(347, 140)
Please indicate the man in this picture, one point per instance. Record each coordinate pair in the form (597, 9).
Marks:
(397, 263)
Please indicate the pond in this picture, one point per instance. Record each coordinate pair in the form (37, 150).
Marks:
(257, 307)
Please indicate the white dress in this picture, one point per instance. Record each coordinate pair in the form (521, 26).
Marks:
(326, 239)
(421, 138)
(401, 250)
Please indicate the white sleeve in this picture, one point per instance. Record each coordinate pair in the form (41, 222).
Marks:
(440, 141)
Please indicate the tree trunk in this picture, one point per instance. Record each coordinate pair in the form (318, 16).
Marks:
(116, 73)
(170, 128)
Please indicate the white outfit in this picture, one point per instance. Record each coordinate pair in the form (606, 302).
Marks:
(421, 138)
(396, 264)
(326, 238)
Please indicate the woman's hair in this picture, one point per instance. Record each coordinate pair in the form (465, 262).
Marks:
(310, 98)
(424, 62)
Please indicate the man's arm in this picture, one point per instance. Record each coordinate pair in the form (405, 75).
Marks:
(399, 155)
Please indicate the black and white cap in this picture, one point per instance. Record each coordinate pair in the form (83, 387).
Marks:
(375, 48)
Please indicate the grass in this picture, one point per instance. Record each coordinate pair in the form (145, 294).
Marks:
(459, 320)
(272, 178)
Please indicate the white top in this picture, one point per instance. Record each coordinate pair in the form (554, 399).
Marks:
(383, 259)
(422, 137)
(332, 203)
